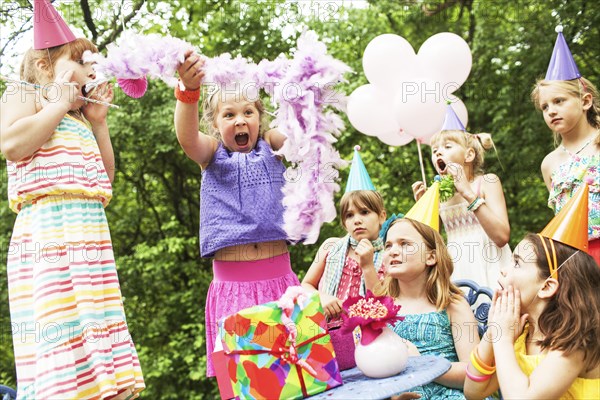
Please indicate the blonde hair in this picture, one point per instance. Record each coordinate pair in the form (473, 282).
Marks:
(368, 199)
(479, 142)
(576, 88)
(439, 288)
(213, 97)
(32, 73)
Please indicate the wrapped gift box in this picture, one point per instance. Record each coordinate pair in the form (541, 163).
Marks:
(280, 350)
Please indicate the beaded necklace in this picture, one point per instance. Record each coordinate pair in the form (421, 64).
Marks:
(581, 148)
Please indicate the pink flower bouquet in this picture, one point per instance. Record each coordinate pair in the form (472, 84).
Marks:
(372, 313)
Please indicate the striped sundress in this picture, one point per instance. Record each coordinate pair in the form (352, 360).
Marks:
(70, 336)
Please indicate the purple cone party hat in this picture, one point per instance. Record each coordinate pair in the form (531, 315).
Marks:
(562, 65)
(427, 209)
(452, 122)
(49, 28)
(359, 178)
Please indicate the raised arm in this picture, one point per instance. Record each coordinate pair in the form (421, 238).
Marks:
(331, 304)
(366, 253)
(23, 127)
(275, 138)
(485, 351)
(196, 145)
(96, 115)
(492, 215)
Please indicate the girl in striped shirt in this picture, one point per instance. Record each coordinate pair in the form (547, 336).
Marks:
(70, 337)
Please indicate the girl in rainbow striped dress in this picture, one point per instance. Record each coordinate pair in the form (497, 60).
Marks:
(70, 336)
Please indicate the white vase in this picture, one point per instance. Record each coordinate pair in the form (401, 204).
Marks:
(385, 356)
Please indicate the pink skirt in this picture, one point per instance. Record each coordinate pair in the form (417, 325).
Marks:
(241, 284)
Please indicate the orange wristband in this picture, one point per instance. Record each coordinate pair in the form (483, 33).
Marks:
(186, 96)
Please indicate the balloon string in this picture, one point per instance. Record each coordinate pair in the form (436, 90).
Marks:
(421, 163)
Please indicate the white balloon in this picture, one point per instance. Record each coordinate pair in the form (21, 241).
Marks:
(386, 59)
(370, 111)
(448, 58)
(419, 108)
(395, 138)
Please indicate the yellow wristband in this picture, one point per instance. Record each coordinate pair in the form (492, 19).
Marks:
(480, 368)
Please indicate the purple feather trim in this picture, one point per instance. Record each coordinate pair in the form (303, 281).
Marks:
(303, 90)
(135, 56)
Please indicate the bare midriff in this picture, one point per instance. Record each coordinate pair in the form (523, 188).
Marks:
(252, 251)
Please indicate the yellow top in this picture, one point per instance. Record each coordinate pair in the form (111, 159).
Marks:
(580, 389)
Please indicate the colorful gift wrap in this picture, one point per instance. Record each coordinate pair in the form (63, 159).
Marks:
(280, 350)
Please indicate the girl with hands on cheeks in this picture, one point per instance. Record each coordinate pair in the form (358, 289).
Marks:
(542, 338)
(475, 218)
(60, 168)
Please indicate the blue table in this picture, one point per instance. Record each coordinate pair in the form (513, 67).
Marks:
(419, 371)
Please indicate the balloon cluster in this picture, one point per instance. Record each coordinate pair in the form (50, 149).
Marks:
(408, 92)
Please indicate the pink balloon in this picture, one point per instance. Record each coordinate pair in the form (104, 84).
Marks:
(452, 56)
(419, 108)
(386, 59)
(395, 138)
(370, 111)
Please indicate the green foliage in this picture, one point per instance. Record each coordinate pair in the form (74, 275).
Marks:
(154, 214)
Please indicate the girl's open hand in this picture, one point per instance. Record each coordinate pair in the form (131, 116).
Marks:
(62, 91)
(418, 189)
(96, 113)
(190, 71)
(505, 314)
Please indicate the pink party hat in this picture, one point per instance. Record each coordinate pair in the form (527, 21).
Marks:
(452, 122)
(562, 65)
(49, 29)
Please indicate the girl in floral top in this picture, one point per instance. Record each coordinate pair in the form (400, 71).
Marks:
(571, 110)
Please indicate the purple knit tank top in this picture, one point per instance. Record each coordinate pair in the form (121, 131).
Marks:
(241, 199)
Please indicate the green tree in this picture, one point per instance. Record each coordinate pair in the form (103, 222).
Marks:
(154, 213)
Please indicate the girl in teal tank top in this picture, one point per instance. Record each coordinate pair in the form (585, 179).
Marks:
(437, 319)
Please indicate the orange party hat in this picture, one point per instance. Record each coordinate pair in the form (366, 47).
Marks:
(427, 209)
(570, 225)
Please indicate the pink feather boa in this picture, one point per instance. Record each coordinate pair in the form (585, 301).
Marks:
(301, 87)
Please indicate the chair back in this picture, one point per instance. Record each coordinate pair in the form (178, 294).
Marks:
(480, 308)
(7, 393)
